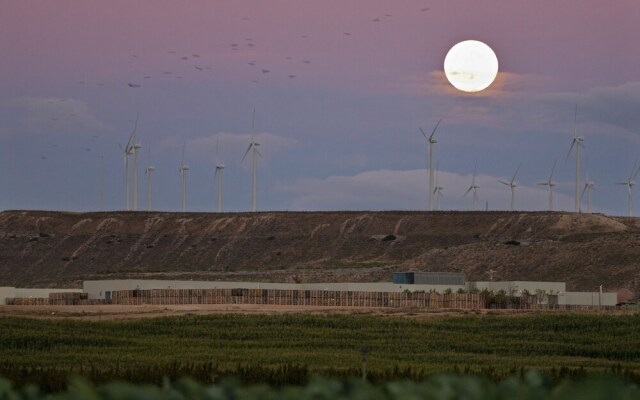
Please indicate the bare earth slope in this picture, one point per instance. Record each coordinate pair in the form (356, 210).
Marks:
(39, 248)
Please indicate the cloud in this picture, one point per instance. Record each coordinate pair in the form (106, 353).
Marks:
(40, 115)
(407, 190)
(614, 108)
(435, 82)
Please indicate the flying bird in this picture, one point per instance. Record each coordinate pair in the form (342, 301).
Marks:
(195, 55)
(133, 85)
(307, 62)
(292, 76)
(376, 20)
(424, 9)
(346, 33)
(252, 63)
(198, 68)
(147, 77)
(184, 58)
(265, 71)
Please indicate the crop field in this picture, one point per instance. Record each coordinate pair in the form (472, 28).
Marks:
(290, 348)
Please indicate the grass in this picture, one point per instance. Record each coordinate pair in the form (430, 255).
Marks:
(321, 344)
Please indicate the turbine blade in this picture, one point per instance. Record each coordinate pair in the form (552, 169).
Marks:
(573, 142)
(575, 122)
(503, 182)
(247, 152)
(423, 134)
(516, 173)
(258, 151)
(633, 171)
(468, 190)
(434, 129)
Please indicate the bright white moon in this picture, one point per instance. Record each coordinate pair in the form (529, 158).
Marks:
(471, 66)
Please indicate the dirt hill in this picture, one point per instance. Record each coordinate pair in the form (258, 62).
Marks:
(39, 248)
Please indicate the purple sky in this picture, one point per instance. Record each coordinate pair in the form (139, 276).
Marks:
(337, 113)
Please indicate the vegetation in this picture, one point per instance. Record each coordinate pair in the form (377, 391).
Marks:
(530, 386)
(289, 349)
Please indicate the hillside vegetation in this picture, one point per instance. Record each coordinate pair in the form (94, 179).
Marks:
(39, 248)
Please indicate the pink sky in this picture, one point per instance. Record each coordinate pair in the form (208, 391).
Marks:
(340, 88)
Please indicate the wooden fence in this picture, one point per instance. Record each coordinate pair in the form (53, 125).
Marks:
(324, 298)
(297, 298)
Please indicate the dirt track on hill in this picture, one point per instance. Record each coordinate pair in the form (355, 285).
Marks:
(56, 249)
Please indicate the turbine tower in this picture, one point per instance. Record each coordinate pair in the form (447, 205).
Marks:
(437, 191)
(474, 187)
(183, 174)
(549, 183)
(253, 146)
(630, 183)
(578, 141)
(127, 151)
(136, 148)
(511, 185)
(218, 175)
(430, 142)
(147, 174)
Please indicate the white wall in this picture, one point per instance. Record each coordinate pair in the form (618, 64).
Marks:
(6, 293)
(96, 289)
(591, 298)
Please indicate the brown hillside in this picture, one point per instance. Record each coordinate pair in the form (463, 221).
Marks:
(40, 248)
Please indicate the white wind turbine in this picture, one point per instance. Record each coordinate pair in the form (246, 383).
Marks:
(135, 148)
(147, 173)
(588, 187)
(437, 191)
(511, 185)
(578, 141)
(430, 142)
(630, 183)
(183, 174)
(473, 187)
(218, 175)
(549, 183)
(127, 151)
(253, 146)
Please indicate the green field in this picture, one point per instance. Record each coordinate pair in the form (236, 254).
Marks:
(290, 348)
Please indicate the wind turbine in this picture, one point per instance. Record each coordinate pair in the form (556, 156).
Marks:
(549, 183)
(511, 185)
(147, 173)
(136, 148)
(437, 191)
(218, 174)
(629, 184)
(578, 141)
(253, 146)
(127, 151)
(474, 187)
(588, 187)
(430, 142)
(183, 174)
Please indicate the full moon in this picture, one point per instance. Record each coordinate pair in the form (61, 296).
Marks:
(471, 66)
